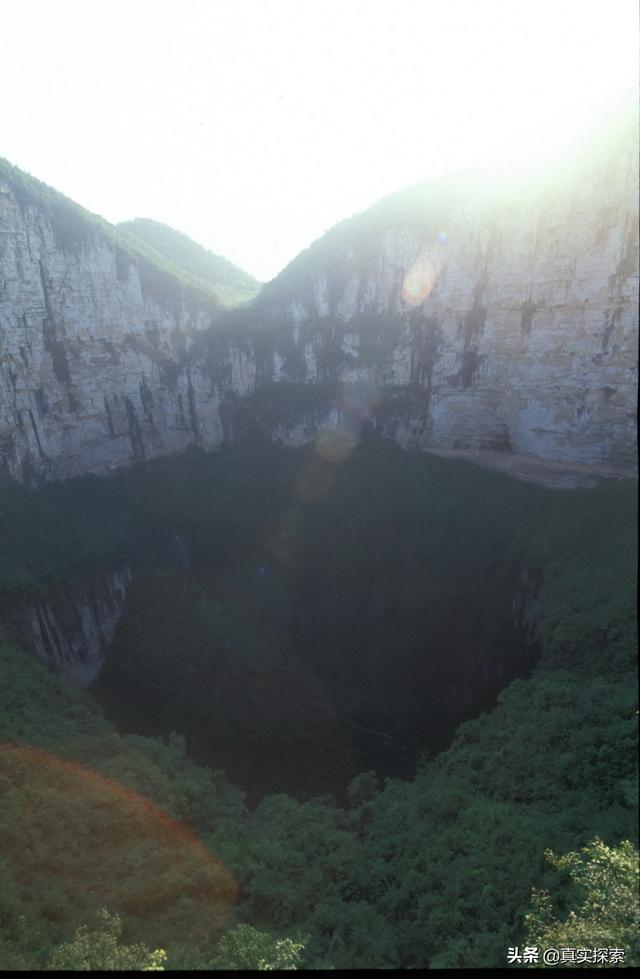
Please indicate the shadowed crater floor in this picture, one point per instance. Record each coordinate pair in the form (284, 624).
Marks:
(301, 616)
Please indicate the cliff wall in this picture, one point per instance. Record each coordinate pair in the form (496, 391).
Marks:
(467, 314)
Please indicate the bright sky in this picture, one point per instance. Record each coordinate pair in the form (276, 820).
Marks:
(254, 125)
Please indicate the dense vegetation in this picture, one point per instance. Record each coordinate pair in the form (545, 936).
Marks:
(231, 284)
(168, 281)
(120, 851)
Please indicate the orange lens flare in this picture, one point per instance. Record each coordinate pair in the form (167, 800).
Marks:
(335, 444)
(422, 277)
(104, 840)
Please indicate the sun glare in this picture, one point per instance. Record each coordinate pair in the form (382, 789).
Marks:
(254, 125)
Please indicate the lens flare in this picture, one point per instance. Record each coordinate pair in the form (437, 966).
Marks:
(104, 840)
(315, 479)
(335, 444)
(422, 277)
(358, 400)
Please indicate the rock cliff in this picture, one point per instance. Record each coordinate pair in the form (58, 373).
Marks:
(469, 313)
(71, 627)
(93, 341)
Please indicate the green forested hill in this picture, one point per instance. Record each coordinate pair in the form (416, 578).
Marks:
(170, 264)
(432, 871)
(231, 284)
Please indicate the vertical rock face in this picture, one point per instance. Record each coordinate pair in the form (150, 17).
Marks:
(484, 315)
(72, 628)
(94, 346)
(466, 313)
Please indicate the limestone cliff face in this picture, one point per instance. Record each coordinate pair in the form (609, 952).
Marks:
(474, 314)
(464, 314)
(71, 628)
(95, 348)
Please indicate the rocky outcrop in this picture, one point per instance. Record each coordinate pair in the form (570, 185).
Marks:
(473, 314)
(94, 348)
(468, 314)
(71, 628)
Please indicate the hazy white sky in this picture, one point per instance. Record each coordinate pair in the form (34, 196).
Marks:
(254, 125)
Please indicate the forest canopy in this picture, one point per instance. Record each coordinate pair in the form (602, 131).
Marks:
(120, 848)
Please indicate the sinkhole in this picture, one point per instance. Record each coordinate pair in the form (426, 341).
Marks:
(301, 616)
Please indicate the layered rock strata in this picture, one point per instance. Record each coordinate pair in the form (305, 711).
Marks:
(467, 314)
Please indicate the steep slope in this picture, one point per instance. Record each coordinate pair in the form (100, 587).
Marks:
(95, 337)
(232, 285)
(469, 314)
(435, 872)
(501, 314)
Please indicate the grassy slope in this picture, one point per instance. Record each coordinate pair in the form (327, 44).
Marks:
(73, 226)
(232, 285)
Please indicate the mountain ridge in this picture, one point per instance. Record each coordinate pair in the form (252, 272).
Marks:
(73, 225)
(228, 281)
(466, 316)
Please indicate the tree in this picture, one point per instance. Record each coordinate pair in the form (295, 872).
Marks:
(247, 948)
(605, 879)
(101, 950)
